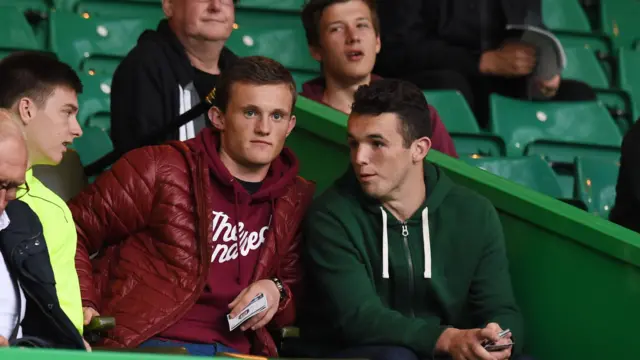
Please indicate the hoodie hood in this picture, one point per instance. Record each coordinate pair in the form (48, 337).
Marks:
(281, 174)
(314, 89)
(437, 185)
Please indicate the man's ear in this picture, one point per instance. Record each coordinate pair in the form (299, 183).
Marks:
(292, 124)
(316, 52)
(217, 118)
(420, 150)
(378, 44)
(26, 109)
(167, 8)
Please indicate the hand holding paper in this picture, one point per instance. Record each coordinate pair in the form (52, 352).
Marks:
(246, 301)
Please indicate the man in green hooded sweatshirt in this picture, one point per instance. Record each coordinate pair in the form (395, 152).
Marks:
(403, 263)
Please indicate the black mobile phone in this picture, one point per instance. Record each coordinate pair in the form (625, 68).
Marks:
(494, 347)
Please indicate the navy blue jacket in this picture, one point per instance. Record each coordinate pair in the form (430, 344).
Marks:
(25, 251)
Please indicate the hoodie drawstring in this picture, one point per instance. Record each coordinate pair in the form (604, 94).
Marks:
(385, 246)
(426, 243)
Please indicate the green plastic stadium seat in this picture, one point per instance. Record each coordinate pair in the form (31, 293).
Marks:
(275, 35)
(565, 15)
(568, 21)
(92, 145)
(619, 20)
(23, 5)
(462, 125)
(620, 106)
(559, 130)
(583, 65)
(279, 5)
(597, 179)
(531, 171)
(94, 43)
(146, 9)
(629, 66)
(300, 77)
(453, 110)
(17, 33)
(95, 102)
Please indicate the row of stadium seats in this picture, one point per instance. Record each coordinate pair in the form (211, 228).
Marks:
(95, 44)
(560, 136)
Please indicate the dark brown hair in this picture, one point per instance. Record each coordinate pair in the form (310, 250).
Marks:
(255, 70)
(35, 75)
(312, 13)
(398, 97)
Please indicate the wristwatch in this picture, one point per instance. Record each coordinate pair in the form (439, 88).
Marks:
(280, 286)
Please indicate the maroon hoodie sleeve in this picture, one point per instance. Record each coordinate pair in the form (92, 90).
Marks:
(440, 138)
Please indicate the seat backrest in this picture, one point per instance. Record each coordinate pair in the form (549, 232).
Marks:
(92, 145)
(22, 5)
(583, 65)
(530, 171)
(597, 180)
(575, 125)
(77, 38)
(66, 179)
(301, 77)
(619, 20)
(94, 100)
(565, 15)
(280, 5)
(629, 75)
(146, 9)
(18, 34)
(453, 110)
(277, 35)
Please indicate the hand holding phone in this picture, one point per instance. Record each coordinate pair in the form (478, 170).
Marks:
(491, 346)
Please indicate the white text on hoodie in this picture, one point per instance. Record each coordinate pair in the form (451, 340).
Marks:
(227, 249)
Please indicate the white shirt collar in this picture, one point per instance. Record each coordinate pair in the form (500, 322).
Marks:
(4, 221)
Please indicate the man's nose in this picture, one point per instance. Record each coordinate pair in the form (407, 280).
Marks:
(361, 156)
(76, 129)
(263, 125)
(352, 35)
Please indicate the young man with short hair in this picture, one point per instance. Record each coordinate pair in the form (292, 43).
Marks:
(42, 93)
(394, 273)
(188, 232)
(344, 35)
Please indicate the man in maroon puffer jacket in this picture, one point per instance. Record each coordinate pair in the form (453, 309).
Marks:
(186, 233)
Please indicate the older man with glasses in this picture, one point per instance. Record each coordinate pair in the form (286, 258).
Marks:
(26, 277)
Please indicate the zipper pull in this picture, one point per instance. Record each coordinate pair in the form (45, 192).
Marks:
(405, 230)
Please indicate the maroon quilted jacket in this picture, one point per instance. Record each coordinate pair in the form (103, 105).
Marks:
(149, 222)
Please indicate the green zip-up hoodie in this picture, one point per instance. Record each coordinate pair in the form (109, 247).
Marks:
(377, 281)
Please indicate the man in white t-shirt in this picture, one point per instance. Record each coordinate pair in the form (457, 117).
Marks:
(13, 166)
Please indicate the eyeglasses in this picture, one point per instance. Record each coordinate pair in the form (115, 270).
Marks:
(19, 190)
(22, 190)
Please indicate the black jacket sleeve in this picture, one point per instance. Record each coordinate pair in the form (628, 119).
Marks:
(139, 101)
(410, 42)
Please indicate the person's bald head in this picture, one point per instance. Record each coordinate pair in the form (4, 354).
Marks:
(13, 157)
